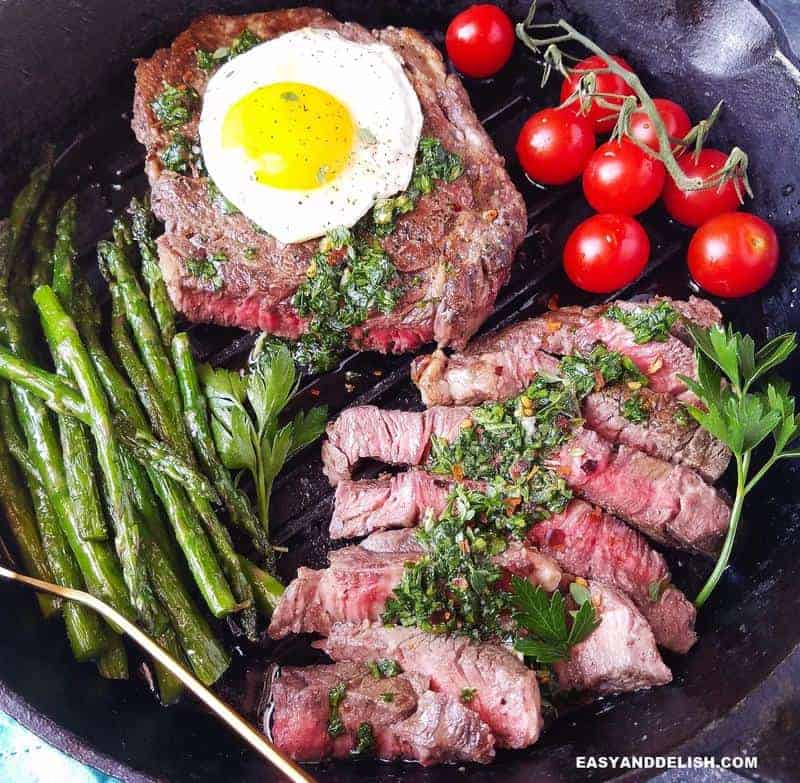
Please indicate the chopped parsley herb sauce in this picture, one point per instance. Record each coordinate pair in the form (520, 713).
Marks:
(455, 586)
(467, 695)
(208, 61)
(336, 696)
(384, 668)
(178, 155)
(207, 269)
(635, 409)
(365, 740)
(388, 697)
(174, 106)
(648, 324)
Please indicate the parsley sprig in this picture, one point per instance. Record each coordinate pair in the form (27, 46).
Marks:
(246, 419)
(550, 638)
(744, 403)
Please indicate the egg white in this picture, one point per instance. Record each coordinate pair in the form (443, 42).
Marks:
(368, 79)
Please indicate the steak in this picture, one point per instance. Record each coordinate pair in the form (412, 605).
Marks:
(620, 655)
(497, 366)
(361, 579)
(453, 252)
(408, 721)
(393, 437)
(506, 694)
(582, 541)
(669, 503)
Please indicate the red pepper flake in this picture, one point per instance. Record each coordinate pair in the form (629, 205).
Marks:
(314, 392)
(458, 472)
(512, 504)
(552, 302)
(589, 466)
(498, 370)
(556, 538)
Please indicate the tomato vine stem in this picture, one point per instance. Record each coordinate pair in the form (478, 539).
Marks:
(735, 167)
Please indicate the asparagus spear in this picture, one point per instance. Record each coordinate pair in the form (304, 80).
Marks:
(25, 204)
(19, 514)
(64, 400)
(206, 656)
(42, 241)
(75, 445)
(113, 663)
(191, 537)
(196, 416)
(137, 310)
(65, 343)
(142, 228)
(266, 588)
(83, 627)
(143, 326)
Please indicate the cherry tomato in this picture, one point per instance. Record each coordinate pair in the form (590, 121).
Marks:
(480, 40)
(675, 119)
(695, 207)
(602, 118)
(734, 254)
(606, 253)
(620, 178)
(554, 146)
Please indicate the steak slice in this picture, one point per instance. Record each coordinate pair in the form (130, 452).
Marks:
(669, 503)
(454, 251)
(394, 437)
(409, 722)
(496, 366)
(582, 541)
(361, 579)
(620, 655)
(355, 587)
(506, 694)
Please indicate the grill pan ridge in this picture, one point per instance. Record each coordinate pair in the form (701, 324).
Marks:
(66, 74)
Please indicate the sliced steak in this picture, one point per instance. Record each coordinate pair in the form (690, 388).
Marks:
(583, 541)
(408, 721)
(506, 694)
(393, 437)
(668, 433)
(361, 579)
(454, 251)
(355, 587)
(495, 365)
(363, 506)
(620, 655)
(669, 503)
(587, 542)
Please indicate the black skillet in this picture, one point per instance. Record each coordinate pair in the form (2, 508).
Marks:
(65, 73)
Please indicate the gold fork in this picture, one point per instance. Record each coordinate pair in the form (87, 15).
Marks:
(251, 736)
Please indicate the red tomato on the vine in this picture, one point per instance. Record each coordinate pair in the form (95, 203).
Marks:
(733, 255)
(480, 40)
(695, 207)
(606, 253)
(554, 146)
(620, 178)
(675, 119)
(608, 84)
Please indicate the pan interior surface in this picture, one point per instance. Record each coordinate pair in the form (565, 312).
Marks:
(69, 79)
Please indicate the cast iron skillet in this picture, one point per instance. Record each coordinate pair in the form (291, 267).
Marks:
(65, 73)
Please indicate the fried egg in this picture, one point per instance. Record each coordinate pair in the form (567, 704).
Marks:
(305, 132)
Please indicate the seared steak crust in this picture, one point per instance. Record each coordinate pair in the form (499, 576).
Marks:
(408, 721)
(454, 251)
(506, 692)
(583, 541)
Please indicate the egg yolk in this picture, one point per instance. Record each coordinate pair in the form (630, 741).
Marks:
(297, 136)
